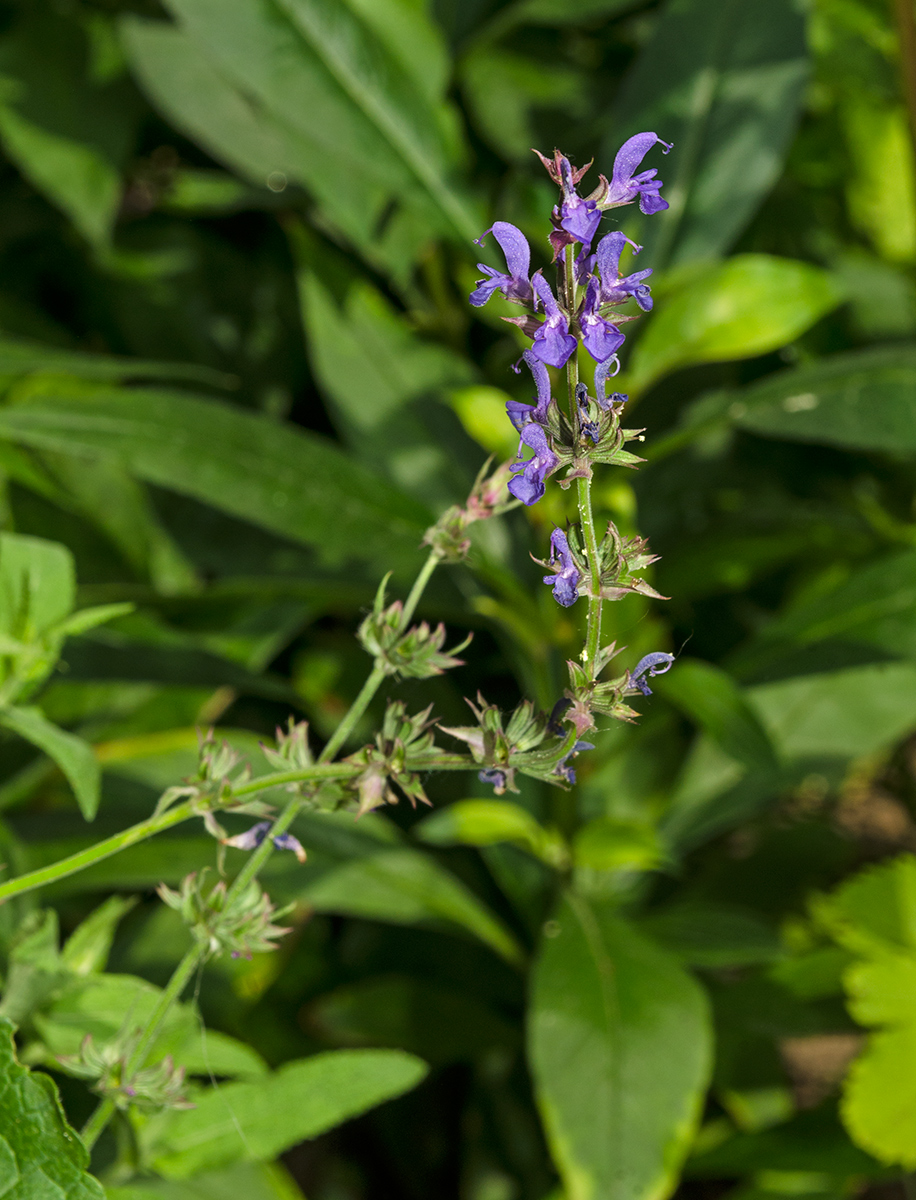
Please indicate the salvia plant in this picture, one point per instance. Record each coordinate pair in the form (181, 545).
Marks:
(574, 317)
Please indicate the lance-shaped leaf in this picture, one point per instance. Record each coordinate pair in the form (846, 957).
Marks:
(277, 476)
(74, 756)
(723, 80)
(40, 1155)
(620, 1046)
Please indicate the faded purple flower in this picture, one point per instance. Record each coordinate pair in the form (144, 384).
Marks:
(625, 186)
(610, 366)
(578, 217)
(587, 426)
(601, 337)
(529, 485)
(553, 343)
(614, 290)
(566, 580)
(496, 777)
(520, 414)
(252, 838)
(568, 773)
(653, 664)
(514, 285)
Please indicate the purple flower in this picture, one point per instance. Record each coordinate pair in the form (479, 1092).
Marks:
(566, 580)
(625, 186)
(603, 369)
(580, 218)
(602, 338)
(529, 485)
(615, 290)
(553, 343)
(252, 838)
(496, 777)
(587, 426)
(520, 414)
(653, 664)
(514, 285)
(568, 773)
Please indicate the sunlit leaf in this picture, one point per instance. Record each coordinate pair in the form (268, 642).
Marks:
(749, 305)
(40, 1155)
(723, 80)
(620, 1046)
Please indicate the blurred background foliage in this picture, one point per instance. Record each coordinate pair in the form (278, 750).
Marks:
(239, 376)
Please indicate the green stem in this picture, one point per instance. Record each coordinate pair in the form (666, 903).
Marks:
(156, 824)
(583, 486)
(587, 521)
(181, 976)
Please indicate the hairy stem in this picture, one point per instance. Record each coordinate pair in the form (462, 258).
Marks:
(181, 976)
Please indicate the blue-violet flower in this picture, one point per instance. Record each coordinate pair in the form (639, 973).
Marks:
(566, 580)
(553, 343)
(568, 773)
(529, 485)
(615, 290)
(625, 186)
(653, 664)
(253, 837)
(601, 337)
(520, 414)
(514, 285)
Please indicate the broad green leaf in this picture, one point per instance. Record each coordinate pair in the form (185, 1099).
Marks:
(417, 1015)
(34, 971)
(486, 822)
(408, 887)
(371, 365)
(75, 176)
(750, 305)
(879, 1097)
(879, 190)
(37, 585)
(65, 132)
(40, 1155)
(713, 935)
(610, 844)
(251, 1181)
(841, 713)
(109, 1007)
(74, 756)
(120, 506)
(723, 80)
(274, 475)
(711, 698)
(18, 357)
(260, 1119)
(858, 401)
(87, 948)
(620, 1047)
(875, 911)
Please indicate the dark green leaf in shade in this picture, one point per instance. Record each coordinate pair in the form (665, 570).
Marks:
(713, 935)
(40, 1155)
(253, 1181)
(74, 756)
(723, 80)
(710, 697)
(18, 357)
(620, 1046)
(273, 475)
(257, 1120)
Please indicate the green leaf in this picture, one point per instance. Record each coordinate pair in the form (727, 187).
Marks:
(37, 585)
(417, 1015)
(260, 1119)
(74, 756)
(609, 844)
(253, 1181)
(34, 970)
(407, 887)
(486, 822)
(620, 1046)
(272, 474)
(859, 401)
(713, 935)
(723, 80)
(19, 357)
(840, 713)
(40, 1155)
(750, 305)
(710, 697)
(87, 948)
